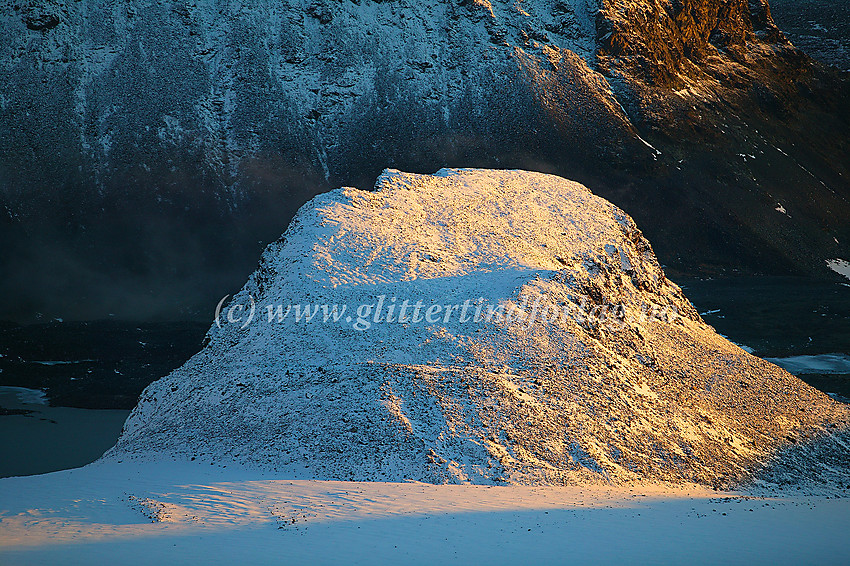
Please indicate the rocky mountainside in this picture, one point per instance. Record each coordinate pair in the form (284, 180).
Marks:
(821, 28)
(128, 126)
(491, 326)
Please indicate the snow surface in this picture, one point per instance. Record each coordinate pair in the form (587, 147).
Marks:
(819, 363)
(570, 399)
(42, 438)
(839, 266)
(171, 513)
(24, 395)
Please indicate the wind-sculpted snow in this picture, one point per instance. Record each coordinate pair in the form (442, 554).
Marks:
(591, 366)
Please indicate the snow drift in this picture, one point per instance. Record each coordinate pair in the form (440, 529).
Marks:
(593, 366)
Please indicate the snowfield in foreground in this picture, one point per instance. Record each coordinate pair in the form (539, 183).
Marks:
(110, 513)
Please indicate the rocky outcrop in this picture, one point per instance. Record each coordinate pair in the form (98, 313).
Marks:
(664, 42)
(479, 326)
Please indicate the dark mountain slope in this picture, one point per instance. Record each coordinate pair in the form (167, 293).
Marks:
(148, 150)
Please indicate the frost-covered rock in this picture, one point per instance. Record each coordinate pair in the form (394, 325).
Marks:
(548, 347)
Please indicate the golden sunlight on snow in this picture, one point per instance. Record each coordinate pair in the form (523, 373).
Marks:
(140, 514)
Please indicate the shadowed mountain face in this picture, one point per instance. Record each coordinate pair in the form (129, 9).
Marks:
(821, 28)
(148, 150)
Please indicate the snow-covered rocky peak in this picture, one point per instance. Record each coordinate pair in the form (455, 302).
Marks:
(475, 325)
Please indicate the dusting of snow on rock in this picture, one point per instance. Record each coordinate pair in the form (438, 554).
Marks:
(629, 384)
(839, 266)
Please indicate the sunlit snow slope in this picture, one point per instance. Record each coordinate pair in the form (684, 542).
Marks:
(630, 384)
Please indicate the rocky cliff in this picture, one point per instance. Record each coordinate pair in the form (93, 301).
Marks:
(125, 126)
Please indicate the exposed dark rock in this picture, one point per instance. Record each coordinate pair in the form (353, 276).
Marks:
(42, 21)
